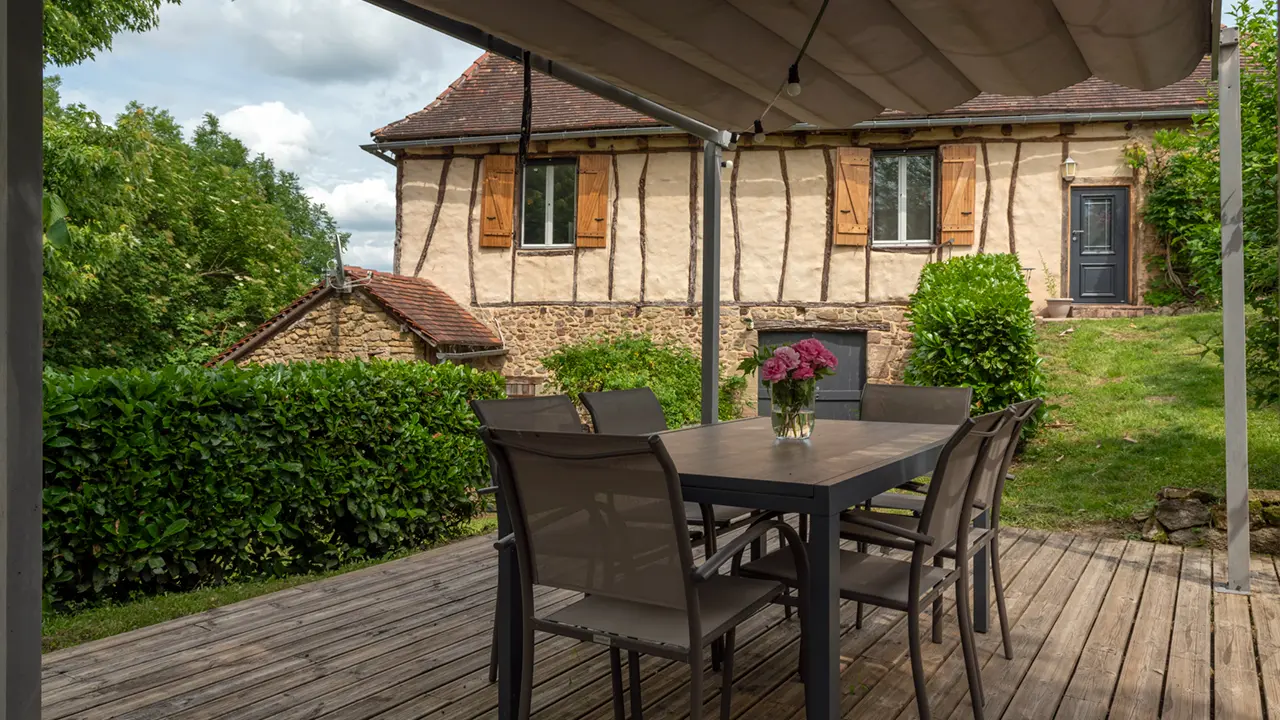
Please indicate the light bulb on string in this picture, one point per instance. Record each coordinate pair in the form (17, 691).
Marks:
(759, 132)
(793, 81)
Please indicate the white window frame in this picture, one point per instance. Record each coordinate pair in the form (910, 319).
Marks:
(901, 156)
(549, 200)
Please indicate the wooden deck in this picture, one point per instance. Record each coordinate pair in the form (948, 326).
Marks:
(1101, 629)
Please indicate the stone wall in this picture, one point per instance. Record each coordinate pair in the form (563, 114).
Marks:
(532, 332)
(341, 327)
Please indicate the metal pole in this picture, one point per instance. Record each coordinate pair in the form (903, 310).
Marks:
(20, 358)
(1233, 336)
(710, 282)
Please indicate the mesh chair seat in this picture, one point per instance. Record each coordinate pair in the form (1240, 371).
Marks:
(861, 533)
(913, 502)
(720, 514)
(723, 602)
(874, 579)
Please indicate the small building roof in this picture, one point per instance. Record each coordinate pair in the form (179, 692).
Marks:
(485, 100)
(417, 302)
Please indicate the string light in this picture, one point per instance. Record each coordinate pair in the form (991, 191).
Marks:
(759, 132)
(793, 80)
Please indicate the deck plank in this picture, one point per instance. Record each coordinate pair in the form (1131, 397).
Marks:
(1236, 691)
(1088, 697)
(1141, 681)
(1187, 693)
(1266, 619)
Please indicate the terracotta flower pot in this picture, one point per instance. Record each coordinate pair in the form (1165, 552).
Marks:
(1058, 307)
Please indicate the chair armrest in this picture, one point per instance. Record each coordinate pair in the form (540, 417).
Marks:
(505, 543)
(915, 487)
(888, 528)
(754, 532)
(489, 490)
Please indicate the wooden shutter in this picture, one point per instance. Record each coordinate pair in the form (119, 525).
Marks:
(498, 205)
(853, 195)
(959, 164)
(593, 200)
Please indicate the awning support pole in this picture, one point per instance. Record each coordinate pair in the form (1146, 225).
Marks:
(20, 357)
(1233, 334)
(711, 157)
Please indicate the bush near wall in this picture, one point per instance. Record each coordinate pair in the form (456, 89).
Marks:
(169, 479)
(673, 372)
(972, 326)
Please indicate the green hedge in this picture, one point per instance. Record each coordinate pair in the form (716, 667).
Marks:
(165, 480)
(972, 327)
(674, 373)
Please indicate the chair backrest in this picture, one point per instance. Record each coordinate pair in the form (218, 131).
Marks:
(625, 412)
(994, 469)
(599, 514)
(551, 413)
(946, 507)
(914, 404)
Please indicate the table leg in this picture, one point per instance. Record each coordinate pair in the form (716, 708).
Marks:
(982, 581)
(510, 625)
(822, 634)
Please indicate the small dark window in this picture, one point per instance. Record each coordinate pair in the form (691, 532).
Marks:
(550, 199)
(902, 204)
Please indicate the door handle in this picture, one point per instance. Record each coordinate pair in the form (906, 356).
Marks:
(1075, 235)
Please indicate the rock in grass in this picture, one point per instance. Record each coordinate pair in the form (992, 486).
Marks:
(1152, 532)
(1176, 493)
(1181, 514)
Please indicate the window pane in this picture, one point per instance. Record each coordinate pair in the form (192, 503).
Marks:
(565, 200)
(885, 212)
(919, 197)
(1097, 227)
(535, 205)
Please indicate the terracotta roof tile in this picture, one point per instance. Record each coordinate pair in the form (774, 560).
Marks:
(417, 302)
(485, 100)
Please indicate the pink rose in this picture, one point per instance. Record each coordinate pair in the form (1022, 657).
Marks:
(809, 348)
(825, 359)
(774, 369)
(789, 357)
(804, 372)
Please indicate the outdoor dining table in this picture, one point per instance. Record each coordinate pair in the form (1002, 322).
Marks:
(843, 464)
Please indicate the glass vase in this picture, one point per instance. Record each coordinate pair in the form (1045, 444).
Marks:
(792, 409)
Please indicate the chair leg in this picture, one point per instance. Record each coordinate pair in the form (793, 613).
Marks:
(526, 671)
(1001, 609)
(615, 672)
(917, 662)
(493, 651)
(695, 685)
(637, 704)
(857, 618)
(976, 694)
(716, 655)
(726, 677)
(937, 608)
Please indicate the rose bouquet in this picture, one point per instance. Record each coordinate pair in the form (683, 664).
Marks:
(792, 372)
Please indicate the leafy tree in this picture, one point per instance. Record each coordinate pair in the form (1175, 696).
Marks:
(74, 30)
(1182, 201)
(175, 248)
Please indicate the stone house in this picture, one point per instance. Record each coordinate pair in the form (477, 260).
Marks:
(376, 315)
(823, 232)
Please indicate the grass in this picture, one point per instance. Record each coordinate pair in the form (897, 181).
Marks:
(63, 630)
(1138, 408)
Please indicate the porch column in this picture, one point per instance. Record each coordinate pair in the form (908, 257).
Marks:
(710, 282)
(1233, 337)
(20, 357)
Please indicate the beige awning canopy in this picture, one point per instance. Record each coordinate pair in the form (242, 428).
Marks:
(723, 61)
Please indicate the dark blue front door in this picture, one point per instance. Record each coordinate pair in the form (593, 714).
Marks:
(1100, 245)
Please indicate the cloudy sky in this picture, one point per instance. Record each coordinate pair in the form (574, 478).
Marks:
(303, 81)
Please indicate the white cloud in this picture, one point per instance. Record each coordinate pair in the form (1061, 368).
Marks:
(367, 205)
(370, 250)
(274, 130)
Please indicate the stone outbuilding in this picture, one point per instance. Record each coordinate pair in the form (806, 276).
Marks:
(374, 315)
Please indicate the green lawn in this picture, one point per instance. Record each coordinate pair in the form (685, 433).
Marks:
(1138, 408)
(62, 630)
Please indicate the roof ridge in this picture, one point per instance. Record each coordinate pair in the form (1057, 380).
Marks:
(442, 97)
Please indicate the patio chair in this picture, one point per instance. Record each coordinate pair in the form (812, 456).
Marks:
(550, 412)
(909, 585)
(989, 478)
(603, 515)
(638, 412)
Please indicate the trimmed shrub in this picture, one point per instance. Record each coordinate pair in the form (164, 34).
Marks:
(972, 327)
(165, 480)
(673, 372)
